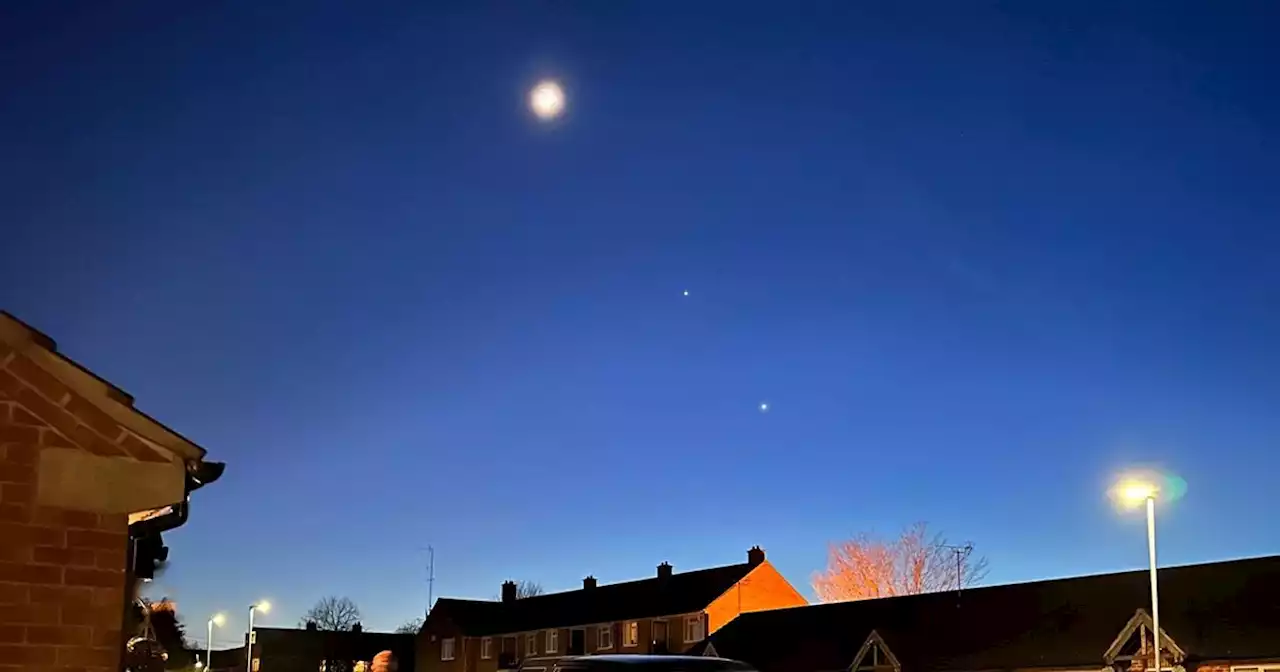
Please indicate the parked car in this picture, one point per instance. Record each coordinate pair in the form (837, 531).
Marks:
(633, 663)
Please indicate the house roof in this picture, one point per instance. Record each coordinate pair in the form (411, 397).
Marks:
(111, 400)
(299, 648)
(1224, 610)
(680, 593)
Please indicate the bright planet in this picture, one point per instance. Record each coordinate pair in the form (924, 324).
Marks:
(547, 100)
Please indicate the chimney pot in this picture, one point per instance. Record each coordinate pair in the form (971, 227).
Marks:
(589, 582)
(357, 627)
(755, 555)
(664, 570)
(311, 625)
(508, 592)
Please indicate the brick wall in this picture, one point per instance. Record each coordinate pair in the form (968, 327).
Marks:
(62, 572)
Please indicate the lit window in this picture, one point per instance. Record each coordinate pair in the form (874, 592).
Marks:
(606, 637)
(631, 633)
(486, 647)
(531, 644)
(693, 629)
(446, 649)
(553, 641)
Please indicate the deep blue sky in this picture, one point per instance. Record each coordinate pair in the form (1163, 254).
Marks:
(977, 257)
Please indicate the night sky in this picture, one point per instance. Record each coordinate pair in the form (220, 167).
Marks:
(976, 257)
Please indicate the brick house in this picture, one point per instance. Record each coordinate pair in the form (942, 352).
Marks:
(666, 613)
(87, 483)
(1217, 617)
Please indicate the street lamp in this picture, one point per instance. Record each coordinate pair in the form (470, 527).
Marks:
(1132, 493)
(263, 606)
(218, 620)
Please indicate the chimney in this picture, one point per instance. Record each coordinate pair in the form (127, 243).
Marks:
(508, 592)
(664, 570)
(589, 583)
(755, 556)
(357, 627)
(311, 625)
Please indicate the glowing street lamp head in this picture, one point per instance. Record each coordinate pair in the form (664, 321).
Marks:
(219, 619)
(263, 606)
(1134, 491)
(547, 100)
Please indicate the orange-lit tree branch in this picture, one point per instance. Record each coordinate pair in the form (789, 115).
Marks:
(866, 567)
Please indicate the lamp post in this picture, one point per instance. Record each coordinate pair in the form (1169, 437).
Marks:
(1134, 493)
(263, 606)
(218, 620)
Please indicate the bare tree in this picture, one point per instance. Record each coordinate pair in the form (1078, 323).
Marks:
(528, 589)
(866, 567)
(410, 627)
(333, 613)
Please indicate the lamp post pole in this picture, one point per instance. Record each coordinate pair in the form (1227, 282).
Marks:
(1155, 591)
(248, 648)
(265, 606)
(1134, 492)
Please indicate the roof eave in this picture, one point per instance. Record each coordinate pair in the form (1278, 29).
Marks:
(113, 401)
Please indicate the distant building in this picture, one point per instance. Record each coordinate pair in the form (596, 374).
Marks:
(312, 650)
(1217, 617)
(667, 613)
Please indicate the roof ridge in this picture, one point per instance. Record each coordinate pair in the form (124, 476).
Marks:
(901, 599)
(684, 592)
(628, 582)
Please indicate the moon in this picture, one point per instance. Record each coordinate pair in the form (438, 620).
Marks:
(764, 407)
(546, 99)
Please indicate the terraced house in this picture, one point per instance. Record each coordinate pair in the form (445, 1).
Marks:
(1216, 617)
(666, 613)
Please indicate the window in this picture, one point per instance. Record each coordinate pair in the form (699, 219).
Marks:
(875, 659)
(553, 641)
(631, 633)
(874, 656)
(606, 637)
(486, 647)
(693, 628)
(531, 644)
(446, 648)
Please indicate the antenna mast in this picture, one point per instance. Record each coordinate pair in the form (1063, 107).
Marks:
(431, 576)
(961, 552)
